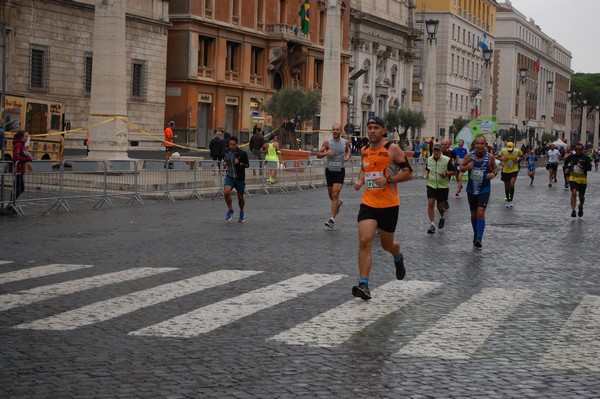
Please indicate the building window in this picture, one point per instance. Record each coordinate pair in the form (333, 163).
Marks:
(206, 47)
(87, 89)
(235, 11)
(208, 8)
(257, 65)
(260, 15)
(232, 62)
(138, 79)
(38, 68)
(319, 65)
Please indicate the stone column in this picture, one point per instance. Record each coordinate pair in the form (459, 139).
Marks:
(583, 127)
(331, 109)
(109, 82)
(596, 127)
(568, 122)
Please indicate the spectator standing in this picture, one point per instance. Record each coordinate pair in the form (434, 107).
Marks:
(20, 159)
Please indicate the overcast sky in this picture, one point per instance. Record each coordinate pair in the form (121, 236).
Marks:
(574, 24)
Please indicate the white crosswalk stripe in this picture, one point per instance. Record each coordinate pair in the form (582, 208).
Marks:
(578, 343)
(33, 295)
(105, 310)
(457, 335)
(337, 325)
(5, 262)
(221, 313)
(460, 333)
(38, 271)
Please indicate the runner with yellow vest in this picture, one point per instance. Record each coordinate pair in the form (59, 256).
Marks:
(438, 171)
(384, 165)
(510, 157)
(270, 151)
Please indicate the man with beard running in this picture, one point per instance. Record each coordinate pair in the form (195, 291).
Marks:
(482, 168)
(384, 165)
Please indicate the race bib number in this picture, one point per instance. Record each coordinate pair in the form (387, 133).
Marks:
(510, 164)
(577, 169)
(335, 166)
(370, 180)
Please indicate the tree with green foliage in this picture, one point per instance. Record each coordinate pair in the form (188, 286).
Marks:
(586, 86)
(289, 107)
(458, 124)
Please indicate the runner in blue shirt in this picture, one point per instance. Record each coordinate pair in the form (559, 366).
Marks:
(531, 161)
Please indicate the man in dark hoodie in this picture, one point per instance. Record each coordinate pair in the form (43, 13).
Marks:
(235, 161)
(20, 158)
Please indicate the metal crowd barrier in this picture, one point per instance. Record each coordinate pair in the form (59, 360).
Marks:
(54, 185)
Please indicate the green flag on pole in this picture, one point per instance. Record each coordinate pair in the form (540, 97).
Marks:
(305, 16)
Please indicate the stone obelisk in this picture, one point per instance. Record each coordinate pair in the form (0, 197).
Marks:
(331, 109)
(109, 82)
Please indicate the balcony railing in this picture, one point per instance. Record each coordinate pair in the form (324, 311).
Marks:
(288, 32)
(476, 85)
(232, 76)
(206, 72)
(256, 79)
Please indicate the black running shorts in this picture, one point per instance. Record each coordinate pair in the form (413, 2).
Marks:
(387, 218)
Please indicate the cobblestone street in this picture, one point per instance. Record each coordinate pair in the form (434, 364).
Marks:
(167, 300)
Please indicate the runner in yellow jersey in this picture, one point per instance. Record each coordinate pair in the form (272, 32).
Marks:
(384, 165)
(510, 158)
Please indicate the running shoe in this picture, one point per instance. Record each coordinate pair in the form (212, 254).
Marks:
(550, 185)
(477, 243)
(361, 291)
(229, 215)
(457, 193)
(447, 205)
(441, 223)
(431, 230)
(400, 268)
(242, 218)
(580, 213)
(510, 204)
(573, 213)
(329, 223)
(555, 181)
(507, 205)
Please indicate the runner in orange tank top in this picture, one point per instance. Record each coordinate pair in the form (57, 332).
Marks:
(384, 165)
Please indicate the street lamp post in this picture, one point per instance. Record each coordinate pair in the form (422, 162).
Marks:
(549, 108)
(522, 115)
(486, 90)
(429, 108)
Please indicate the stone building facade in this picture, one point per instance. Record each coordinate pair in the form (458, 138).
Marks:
(383, 51)
(226, 58)
(528, 104)
(459, 86)
(49, 57)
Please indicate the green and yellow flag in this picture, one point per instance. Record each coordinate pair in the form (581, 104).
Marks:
(305, 16)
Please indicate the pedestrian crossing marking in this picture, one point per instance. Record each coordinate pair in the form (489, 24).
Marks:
(115, 307)
(213, 316)
(578, 343)
(5, 262)
(461, 332)
(337, 325)
(38, 271)
(33, 295)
